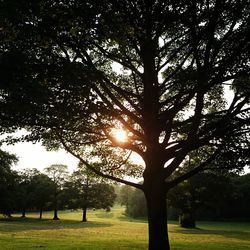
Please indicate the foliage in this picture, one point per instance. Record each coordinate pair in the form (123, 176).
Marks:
(29, 189)
(25, 190)
(77, 40)
(134, 201)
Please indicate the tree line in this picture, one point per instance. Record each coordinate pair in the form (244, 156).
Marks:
(207, 195)
(32, 190)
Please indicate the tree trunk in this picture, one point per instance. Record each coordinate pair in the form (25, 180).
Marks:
(155, 194)
(23, 213)
(84, 214)
(55, 215)
(55, 206)
(40, 213)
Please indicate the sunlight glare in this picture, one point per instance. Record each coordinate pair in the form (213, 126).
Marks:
(120, 135)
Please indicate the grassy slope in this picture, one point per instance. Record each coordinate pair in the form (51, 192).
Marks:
(114, 231)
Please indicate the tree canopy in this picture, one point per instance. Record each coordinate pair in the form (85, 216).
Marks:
(86, 190)
(177, 60)
(57, 173)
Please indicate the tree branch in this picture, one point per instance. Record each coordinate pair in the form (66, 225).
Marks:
(193, 171)
(89, 166)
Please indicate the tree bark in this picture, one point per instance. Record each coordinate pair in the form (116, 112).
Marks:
(155, 194)
(84, 214)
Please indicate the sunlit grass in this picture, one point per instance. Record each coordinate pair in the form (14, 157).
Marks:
(113, 230)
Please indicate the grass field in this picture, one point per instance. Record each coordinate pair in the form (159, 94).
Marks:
(115, 231)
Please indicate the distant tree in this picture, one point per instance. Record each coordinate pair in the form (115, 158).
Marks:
(137, 206)
(58, 174)
(134, 201)
(24, 189)
(124, 195)
(42, 189)
(8, 179)
(85, 190)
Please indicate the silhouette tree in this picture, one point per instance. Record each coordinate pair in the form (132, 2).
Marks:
(176, 60)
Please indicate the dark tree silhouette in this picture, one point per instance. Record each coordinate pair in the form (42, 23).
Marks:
(177, 61)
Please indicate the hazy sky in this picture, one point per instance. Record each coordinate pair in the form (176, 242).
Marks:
(35, 156)
(32, 155)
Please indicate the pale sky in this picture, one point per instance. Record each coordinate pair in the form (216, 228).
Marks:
(35, 156)
(32, 155)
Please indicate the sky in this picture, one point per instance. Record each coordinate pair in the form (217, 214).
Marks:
(36, 156)
(32, 155)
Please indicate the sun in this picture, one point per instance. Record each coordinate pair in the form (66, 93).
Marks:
(120, 135)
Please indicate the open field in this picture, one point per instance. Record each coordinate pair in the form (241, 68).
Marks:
(115, 231)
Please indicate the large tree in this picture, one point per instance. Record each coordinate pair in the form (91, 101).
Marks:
(74, 72)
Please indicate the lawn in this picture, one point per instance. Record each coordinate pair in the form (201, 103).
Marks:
(113, 230)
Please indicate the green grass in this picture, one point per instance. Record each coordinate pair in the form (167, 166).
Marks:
(113, 230)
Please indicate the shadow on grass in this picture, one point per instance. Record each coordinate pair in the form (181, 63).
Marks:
(236, 234)
(15, 224)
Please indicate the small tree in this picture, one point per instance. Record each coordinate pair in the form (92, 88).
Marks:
(43, 186)
(86, 190)
(58, 174)
(24, 189)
